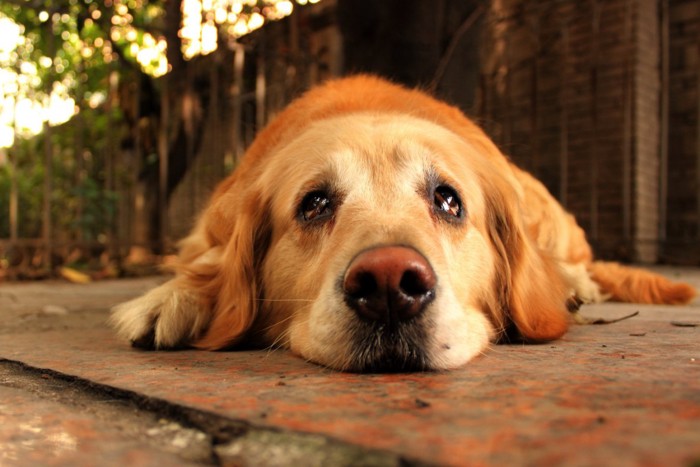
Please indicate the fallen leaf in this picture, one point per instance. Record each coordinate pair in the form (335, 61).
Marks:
(54, 310)
(74, 276)
(585, 320)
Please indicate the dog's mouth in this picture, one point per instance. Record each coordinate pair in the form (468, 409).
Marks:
(385, 348)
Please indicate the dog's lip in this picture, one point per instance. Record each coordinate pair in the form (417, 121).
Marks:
(381, 348)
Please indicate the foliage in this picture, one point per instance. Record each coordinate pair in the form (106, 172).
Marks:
(80, 205)
(29, 182)
(70, 65)
(64, 49)
(99, 207)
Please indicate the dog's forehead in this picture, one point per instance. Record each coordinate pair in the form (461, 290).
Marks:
(373, 148)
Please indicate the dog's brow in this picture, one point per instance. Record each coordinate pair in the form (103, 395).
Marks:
(430, 179)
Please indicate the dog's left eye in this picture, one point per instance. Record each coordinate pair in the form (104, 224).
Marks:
(447, 202)
(316, 205)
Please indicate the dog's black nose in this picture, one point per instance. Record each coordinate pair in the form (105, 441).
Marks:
(389, 284)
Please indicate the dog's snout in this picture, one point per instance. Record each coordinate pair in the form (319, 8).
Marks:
(389, 284)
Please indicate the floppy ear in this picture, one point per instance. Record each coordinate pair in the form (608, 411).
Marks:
(531, 291)
(232, 283)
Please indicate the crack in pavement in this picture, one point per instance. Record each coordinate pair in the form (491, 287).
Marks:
(195, 436)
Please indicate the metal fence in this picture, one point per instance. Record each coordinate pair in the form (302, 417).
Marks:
(50, 222)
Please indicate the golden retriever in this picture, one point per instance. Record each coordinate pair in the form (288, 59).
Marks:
(373, 228)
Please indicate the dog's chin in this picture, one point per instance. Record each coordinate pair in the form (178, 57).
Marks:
(383, 348)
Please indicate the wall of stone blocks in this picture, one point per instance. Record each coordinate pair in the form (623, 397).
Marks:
(646, 131)
(557, 94)
(682, 235)
(575, 92)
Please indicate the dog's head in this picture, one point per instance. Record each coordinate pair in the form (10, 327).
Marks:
(371, 236)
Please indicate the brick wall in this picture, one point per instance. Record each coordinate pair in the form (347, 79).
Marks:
(646, 131)
(571, 91)
(682, 205)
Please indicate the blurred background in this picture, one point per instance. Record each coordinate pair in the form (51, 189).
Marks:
(118, 117)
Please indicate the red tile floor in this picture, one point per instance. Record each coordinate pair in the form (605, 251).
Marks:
(626, 393)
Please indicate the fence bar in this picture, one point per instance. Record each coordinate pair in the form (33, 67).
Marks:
(163, 137)
(564, 120)
(236, 91)
(48, 188)
(627, 123)
(48, 160)
(697, 158)
(534, 98)
(14, 194)
(595, 59)
(260, 88)
(664, 130)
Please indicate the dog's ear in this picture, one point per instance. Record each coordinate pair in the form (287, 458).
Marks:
(239, 223)
(530, 289)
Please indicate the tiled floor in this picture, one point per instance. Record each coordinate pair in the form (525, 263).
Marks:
(620, 394)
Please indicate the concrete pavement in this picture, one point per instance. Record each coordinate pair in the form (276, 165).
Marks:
(71, 393)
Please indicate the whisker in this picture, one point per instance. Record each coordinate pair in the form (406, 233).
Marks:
(288, 318)
(284, 300)
(488, 350)
(283, 335)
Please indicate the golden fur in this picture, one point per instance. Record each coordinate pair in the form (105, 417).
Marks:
(254, 272)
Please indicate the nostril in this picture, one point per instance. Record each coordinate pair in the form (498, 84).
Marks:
(362, 285)
(414, 283)
(364, 294)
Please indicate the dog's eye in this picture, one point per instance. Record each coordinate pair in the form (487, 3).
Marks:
(447, 202)
(316, 205)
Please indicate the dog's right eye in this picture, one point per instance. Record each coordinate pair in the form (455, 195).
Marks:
(316, 205)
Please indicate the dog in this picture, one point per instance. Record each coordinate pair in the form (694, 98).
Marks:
(371, 228)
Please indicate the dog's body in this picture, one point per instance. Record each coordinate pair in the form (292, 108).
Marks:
(370, 227)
